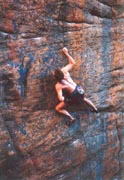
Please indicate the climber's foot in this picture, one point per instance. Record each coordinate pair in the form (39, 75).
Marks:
(95, 110)
(70, 122)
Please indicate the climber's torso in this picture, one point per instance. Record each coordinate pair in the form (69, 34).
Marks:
(67, 83)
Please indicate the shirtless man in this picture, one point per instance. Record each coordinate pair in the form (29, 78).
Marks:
(75, 93)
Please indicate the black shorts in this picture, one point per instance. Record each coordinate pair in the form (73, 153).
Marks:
(75, 97)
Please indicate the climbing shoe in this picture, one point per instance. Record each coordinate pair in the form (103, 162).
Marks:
(69, 123)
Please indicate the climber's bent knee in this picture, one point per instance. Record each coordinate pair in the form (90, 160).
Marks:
(60, 106)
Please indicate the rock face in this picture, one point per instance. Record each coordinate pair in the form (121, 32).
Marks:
(35, 143)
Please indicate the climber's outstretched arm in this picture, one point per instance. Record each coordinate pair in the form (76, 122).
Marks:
(71, 61)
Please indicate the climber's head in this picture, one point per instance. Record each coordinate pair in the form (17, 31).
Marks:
(58, 75)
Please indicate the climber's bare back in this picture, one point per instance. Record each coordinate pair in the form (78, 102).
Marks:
(67, 83)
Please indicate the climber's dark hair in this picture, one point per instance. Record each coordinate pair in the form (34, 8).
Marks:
(58, 75)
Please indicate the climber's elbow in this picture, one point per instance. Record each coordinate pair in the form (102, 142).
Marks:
(61, 98)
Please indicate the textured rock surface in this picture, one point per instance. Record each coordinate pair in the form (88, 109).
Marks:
(35, 143)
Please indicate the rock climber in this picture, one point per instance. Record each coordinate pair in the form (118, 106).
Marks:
(68, 92)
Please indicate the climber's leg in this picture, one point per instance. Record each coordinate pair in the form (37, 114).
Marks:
(60, 108)
(89, 102)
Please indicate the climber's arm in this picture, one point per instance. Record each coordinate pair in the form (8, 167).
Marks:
(59, 93)
(71, 61)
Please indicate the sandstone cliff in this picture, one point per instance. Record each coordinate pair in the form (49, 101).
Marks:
(35, 143)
